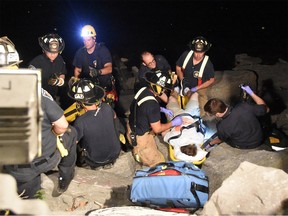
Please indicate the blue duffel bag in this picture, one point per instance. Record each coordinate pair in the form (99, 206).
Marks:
(173, 184)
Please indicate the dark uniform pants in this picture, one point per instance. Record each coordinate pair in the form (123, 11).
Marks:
(28, 176)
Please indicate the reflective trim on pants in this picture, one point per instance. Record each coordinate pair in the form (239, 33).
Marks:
(147, 150)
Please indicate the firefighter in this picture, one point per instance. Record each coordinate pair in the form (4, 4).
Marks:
(144, 120)
(94, 62)
(51, 63)
(58, 149)
(195, 71)
(98, 142)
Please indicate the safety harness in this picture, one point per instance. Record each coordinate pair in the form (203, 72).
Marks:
(188, 57)
(138, 103)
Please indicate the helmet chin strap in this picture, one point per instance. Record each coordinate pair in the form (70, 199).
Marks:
(95, 106)
(98, 107)
(156, 89)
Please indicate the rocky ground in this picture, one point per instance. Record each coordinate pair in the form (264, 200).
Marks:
(93, 190)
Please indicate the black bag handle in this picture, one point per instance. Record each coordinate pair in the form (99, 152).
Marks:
(167, 164)
(193, 191)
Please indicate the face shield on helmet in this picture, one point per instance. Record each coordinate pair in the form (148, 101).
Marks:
(9, 57)
(200, 44)
(84, 91)
(159, 80)
(88, 31)
(52, 43)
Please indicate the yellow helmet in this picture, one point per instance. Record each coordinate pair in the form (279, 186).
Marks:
(88, 31)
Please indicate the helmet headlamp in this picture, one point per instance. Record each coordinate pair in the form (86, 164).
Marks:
(88, 31)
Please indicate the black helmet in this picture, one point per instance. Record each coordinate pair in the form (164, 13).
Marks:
(86, 92)
(200, 44)
(52, 43)
(158, 78)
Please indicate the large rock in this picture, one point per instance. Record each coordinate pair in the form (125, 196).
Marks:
(224, 160)
(273, 77)
(226, 85)
(250, 190)
(10, 200)
(282, 121)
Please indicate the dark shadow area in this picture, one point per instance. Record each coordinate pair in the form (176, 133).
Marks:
(65, 100)
(119, 197)
(273, 100)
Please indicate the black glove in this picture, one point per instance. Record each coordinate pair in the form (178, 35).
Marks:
(94, 72)
(55, 80)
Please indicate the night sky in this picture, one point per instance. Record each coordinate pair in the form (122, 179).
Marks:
(258, 28)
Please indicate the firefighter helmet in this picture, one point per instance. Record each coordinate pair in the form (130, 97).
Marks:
(85, 91)
(159, 80)
(200, 44)
(88, 31)
(52, 43)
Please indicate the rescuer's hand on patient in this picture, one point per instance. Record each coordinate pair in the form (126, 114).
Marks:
(247, 89)
(167, 112)
(194, 89)
(177, 121)
(94, 72)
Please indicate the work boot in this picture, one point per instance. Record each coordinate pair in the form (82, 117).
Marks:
(63, 185)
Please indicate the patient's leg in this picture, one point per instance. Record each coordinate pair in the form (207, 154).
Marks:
(173, 104)
(192, 107)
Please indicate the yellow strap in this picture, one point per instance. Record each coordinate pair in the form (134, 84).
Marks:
(274, 140)
(122, 138)
(63, 151)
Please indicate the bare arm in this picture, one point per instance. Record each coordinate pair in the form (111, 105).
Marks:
(215, 141)
(164, 97)
(206, 84)
(107, 69)
(158, 127)
(255, 97)
(259, 101)
(62, 76)
(179, 72)
(77, 72)
(60, 126)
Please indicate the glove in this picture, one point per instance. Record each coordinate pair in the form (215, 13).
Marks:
(167, 112)
(63, 151)
(94, 72)
(177, 121)
(247, 89)
(55, 80)
(59, 143)
(194, 89)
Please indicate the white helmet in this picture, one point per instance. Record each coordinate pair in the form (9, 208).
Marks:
(8, 54)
